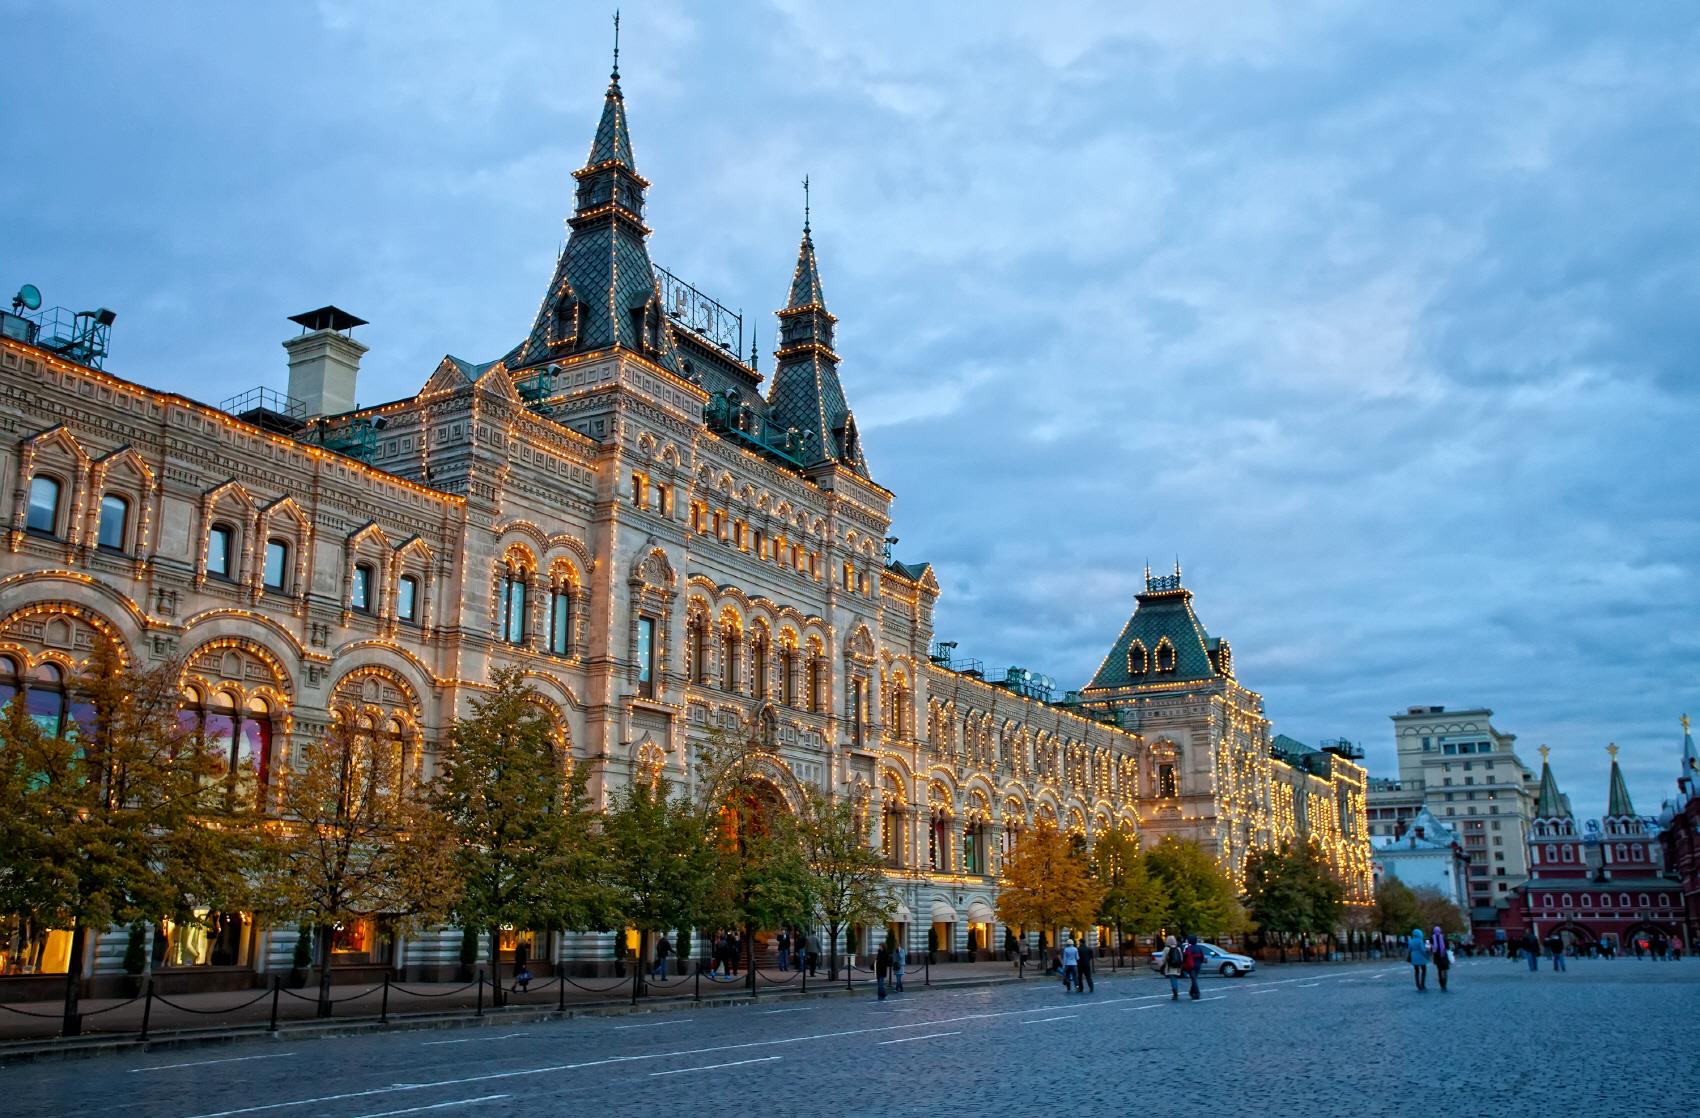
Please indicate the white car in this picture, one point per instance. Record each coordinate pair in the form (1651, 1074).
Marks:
(1225, 963)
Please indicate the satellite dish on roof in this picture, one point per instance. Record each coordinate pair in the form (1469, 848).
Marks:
(28, 297)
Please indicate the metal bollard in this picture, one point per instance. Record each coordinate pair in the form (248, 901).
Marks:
(479, 1012)
(699, 981)
(384, 1005)
(147, 1005)
(927, 970)
(561, 987)
(276, 987)
(637, 977)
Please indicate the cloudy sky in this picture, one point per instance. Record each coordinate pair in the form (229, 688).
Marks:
(1381, 317)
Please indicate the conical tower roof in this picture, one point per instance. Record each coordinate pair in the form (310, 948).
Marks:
(1550, 803)
(604, 293)
(1688, 781)
(806, 394)
(1617, 800)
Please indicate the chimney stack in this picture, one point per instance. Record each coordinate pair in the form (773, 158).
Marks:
(324, 361)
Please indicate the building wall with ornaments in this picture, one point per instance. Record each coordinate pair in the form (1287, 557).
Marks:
(665, 540)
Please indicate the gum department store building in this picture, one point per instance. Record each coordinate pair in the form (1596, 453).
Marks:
(665, 544)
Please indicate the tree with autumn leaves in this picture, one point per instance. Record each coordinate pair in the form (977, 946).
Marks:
(1047, 885)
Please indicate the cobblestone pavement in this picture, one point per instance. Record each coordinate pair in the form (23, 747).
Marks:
(1606, 1038)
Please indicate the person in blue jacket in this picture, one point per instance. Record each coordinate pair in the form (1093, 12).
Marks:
(1417, 947)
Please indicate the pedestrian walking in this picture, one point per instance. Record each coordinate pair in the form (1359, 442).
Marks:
(1173, 967)
(882, 964)
(663, 948)
(522, 969)
(1442, 954)
(1026, 955)
(1676, 948)
(1555, 947)
(1532, 949)
(1084, 974)
(1070, 965)
(1416, 949)
(1192, 961)
(899, 959)
(784, 946)
(811, 954)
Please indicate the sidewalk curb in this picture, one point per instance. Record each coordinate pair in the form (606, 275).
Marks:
(17, 1053)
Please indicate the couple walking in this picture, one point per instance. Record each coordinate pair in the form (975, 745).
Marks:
(1077, 967)
(1181, 962)
(1421, 949)
(888, 963)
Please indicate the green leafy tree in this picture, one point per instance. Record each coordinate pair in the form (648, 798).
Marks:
(658, 858)
(1438, 912)
(849, 875)
(1292, 889)
(526, 847)
(1134, 899)
(355, 842)
(1397, 910)
(123, 817)
(1201, 899)
(1047, 885)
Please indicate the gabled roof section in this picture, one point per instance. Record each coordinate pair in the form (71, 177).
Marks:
(1164, 612)
(1618, 804)
(1550, 803)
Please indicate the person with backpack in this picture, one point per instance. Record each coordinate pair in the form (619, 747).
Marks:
(1070, 965)
(1442, 954)
(1172, 967)
(1192, 961)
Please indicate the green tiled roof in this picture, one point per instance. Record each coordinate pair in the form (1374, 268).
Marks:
(806, 393)
(1550, 803)
(613, 140)
(1164, 612)
(1617, 803)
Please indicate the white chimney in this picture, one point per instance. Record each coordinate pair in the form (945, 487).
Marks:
(324, 361)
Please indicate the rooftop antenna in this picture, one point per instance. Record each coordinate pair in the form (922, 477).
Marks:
(616, 74)
(805, 204)
(753, 354)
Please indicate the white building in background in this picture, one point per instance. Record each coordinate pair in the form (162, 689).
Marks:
(1429, 853)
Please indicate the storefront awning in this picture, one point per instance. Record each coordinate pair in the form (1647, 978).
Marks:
(902, 915)
(943, 913)
(979, 912)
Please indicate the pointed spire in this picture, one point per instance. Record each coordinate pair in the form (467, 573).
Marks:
(805, 281)
(613, 140)
(604, 293)
(1689, 780)
(1550, 803)
(1617, 802)
(806, 393)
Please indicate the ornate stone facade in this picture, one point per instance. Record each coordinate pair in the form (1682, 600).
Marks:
(615, 508)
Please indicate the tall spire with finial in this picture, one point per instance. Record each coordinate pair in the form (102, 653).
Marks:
(1549, 802)
(1617, 800)
(1688, 779)
(604, 293)
(806, 393)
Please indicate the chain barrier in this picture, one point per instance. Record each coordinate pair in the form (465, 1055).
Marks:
(60, 1016)
(331, 1001)
(768, 976)
(441, 994)
(97, 1012)
(620, 985)
(212, 1012)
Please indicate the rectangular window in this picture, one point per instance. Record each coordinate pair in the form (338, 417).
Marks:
(277, 564)
(360, 591)
(114, 522)
(646, 657)
(640, 491)
(44, 505)
(220, 544)
(560, 623)
(407, 598)
(666, 495)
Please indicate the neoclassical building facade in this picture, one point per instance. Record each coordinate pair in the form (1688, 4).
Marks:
(663, 537)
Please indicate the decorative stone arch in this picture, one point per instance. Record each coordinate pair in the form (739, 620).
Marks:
(103, 606)
(761, 766)
(377, 700)
(564, 542)
(511, 532)
(61, 633)
(392, 662)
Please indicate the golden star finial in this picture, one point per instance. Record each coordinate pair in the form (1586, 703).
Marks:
(1685, 723)
(1543, 751)
(1612, 749)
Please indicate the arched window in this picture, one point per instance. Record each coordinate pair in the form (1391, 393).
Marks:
(1166, 784)
(221, 550)
(407, 599)
(697, 648)
(899, 704)
(1165, 656)
(276, 574)
(45, 699)
(240, 739)
(513, 605)
(8, 680)
(787, 672)
(1587, 900)
(817, 684)
(758, 663)
(730, 643)
(1623, 900)
(561, 619)
(43, 517)
(1644, 901)
(114, 528)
